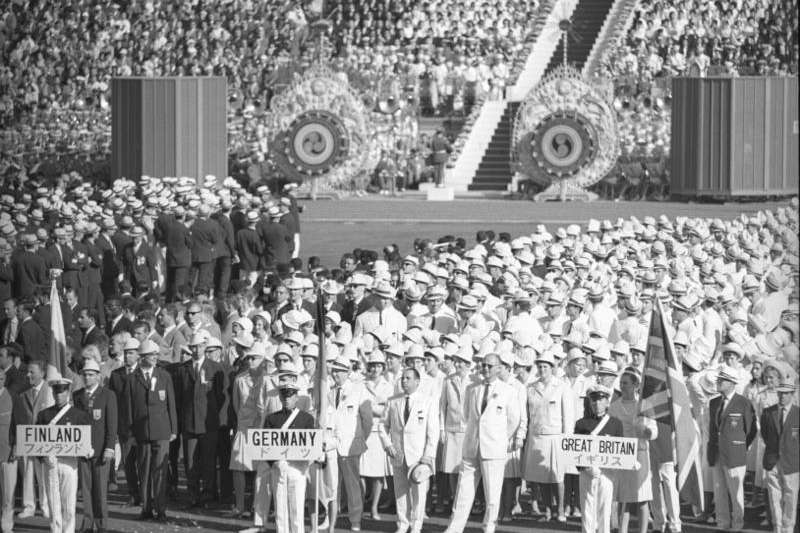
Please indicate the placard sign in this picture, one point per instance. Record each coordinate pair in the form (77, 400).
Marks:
(604, 452)
(66, 441)
(287, 444)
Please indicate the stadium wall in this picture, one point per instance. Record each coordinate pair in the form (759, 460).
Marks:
(734, 137)
(173, 126)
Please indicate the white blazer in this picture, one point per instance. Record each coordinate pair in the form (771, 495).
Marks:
(416, 438)
(488, 434)
(352, 419)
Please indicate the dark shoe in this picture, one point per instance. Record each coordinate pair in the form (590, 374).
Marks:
(146, 515)
(162, 517)
(132, 502)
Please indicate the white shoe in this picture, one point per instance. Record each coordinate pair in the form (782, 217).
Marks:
(25, 513)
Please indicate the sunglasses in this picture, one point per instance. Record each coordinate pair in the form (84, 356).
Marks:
(488, 366)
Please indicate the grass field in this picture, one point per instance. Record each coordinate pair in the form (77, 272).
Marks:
(332, 227)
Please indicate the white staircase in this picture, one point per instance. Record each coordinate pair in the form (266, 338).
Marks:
(460, 175)
(545, 46)
(616, 25)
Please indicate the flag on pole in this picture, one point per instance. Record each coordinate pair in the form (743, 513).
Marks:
(665, 398)
(58, 339)
(320, 384)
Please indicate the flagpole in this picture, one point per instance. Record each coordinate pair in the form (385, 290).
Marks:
(321, 403)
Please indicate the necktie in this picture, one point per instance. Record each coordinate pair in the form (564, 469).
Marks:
(783, 415)
(433, 322)
(406, 411)
(196, 369)
(380, 318)
(338, 396)
(719, 413)
(485, 399)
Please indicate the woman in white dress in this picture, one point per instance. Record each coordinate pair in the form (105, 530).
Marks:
(634, 488)
(551, 414)
(374, 463)
(246, 387)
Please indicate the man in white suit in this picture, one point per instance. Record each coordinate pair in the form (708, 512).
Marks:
(492, 411)
(382, 314)
(352, 422)
(410, 439)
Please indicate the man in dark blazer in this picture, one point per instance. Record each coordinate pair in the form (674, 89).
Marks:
(153, 421)
(94, 271)
(16, 382)
(117, 322)
(780, 425)
(29, 269)
(140, 264)
(112, 262)
(30, 336)
(201, 394)
(100, 404)
(249, 248)
(226, 249)
(276, 238)
(117, 382)
(90, 333)
(178, 242)
(206, 239)
(732, 428)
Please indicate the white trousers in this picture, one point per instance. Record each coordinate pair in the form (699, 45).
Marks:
(472, 470)
(9, 471)
(288, 482)
(33, 469)
(410, 499)
(349, 468)
(782, 490)
(62, 492)
(666, 504)
(262, 493)
(729, 482)
(596, 496)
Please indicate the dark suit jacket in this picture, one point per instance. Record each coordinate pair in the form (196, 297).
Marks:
(227, 247)
(205, 240)
(140, 265)
(43, 314)
(178, 240)
(150, 411)
(6, 280)
(116, 384)
(781, 440)
(94, 268)
(16, 382)
(95, 336)
(277, 242)
(250, 249)
(102, 408)
(32, 339)
(200, 398)
(111, 265)
(350, 311)
(728, 441)
(30, 273)
(73, 416)
(124, 324)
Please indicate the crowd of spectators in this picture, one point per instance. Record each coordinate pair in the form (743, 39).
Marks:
(692, 38)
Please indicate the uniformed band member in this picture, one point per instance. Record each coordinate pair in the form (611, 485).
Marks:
(61, 473)
(101, 405)
(597, 484)
(288, 478)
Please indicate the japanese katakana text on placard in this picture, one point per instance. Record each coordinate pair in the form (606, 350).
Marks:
(603, 452)
(286, 444)
(41, 440)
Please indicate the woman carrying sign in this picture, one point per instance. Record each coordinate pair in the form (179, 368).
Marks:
(634, 487)
(597, 484)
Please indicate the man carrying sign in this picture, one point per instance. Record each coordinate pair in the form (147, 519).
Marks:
(288, 478)
(596, 484)
(61, 473)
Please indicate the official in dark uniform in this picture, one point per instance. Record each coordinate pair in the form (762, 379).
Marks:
(440, 148)
(112, 261)
(90, 333)
(732, 428)
(178, 242)
(288, 478)
(94, 272)
(780, 425)
(100, 404)
(61, 473)
(140, 264)
(28, 268)
(200, 397)
(249, 248)
(276, 238)
(152, 418)
(117, 382)
(205, 241)
(30, 336)
(226, 250)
